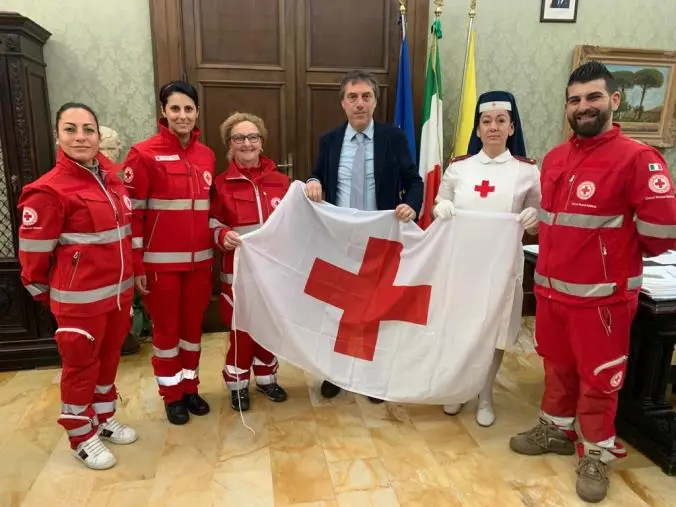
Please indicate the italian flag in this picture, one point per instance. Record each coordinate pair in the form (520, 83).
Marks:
(431, 138)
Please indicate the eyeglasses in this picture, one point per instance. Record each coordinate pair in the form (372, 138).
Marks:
(239, 138)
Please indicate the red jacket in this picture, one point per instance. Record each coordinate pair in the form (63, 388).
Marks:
(75, 239)
(243, 203)
(169, 186)
(606, 202)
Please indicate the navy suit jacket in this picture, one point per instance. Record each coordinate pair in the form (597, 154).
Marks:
(396, 174)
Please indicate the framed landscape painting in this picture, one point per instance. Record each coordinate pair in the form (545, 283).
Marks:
(647, 82)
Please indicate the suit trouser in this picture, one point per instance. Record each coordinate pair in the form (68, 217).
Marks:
(176, 304)
(90, 349)
(244, 353)
(585, 351)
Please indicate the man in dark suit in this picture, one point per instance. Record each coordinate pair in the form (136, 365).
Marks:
(560, 4)
(365, 164)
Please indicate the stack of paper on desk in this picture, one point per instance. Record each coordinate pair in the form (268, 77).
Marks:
(659, 282)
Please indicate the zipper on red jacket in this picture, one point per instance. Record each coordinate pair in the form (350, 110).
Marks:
(119, 233)
(188, 166)
(75, 262)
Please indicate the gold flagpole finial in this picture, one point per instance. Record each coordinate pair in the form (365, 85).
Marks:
(439, 7)
(402, 7)
(472, 8)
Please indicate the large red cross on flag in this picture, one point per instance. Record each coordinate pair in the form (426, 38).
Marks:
(377, 306)
(369, 297)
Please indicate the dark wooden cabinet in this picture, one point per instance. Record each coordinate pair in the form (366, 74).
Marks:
(26, 152)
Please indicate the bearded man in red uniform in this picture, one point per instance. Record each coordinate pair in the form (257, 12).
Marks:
(607, 200)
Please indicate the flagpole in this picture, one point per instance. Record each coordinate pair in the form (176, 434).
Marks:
(402, 17)
(471, 14)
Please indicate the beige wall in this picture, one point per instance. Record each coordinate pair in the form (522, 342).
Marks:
(100, 54)
(533, 60)
(106, 60)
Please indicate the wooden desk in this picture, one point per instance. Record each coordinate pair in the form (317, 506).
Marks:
(645, 416)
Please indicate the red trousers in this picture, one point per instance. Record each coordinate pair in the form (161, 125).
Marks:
(90, 353)
(176, 304)
(243, 354)
(585, 352)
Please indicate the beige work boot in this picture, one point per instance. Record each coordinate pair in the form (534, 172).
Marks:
(543, 438)
(592, 477)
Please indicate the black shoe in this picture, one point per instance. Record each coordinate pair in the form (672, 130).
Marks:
(239, 400)
(329, 390)
(195, 404)
(375, 400)
(177, 413)
(274, 392)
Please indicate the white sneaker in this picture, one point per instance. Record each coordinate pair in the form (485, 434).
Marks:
(453, 409)
(484, 414)
(116, 433)
(94, 454)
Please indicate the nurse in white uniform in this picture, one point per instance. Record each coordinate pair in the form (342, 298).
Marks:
(495, 176)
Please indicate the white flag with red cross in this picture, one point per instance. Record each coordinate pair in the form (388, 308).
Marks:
(377, 306)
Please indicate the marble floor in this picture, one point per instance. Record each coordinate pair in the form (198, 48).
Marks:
(308, 452)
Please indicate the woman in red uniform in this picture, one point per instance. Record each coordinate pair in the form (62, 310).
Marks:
(244, 196)
(75, 254)
(169, 176)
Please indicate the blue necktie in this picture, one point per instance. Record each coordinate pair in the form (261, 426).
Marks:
(357, 188)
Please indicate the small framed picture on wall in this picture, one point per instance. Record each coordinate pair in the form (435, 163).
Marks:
(558, 11)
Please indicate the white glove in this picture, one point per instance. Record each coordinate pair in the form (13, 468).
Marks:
(444, 209)
(528, 218)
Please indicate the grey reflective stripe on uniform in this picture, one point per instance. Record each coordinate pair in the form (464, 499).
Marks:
(177, 257)
(137, 242)
(174, 380)
(215, 223)
(247, 228)
(655, 230)
(138, 204)
(546, 217)
(178, 204)
(191, 374)
(227, 278)
(82, 430)
(190, 347)
(35, 289)
(37, 245)
(585, 289)
(104, 407)
(89, 296)
(103, 389)
(258, 362)
(165, 353)
(581, 220)
(70, 408)
(204, 255)
(94, 238)
(635, 282)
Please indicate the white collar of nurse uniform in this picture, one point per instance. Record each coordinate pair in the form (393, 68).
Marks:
(505, 156)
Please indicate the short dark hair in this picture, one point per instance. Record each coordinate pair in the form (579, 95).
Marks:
(356, 76)
(178, 87)
(592, 71)
(76, 105)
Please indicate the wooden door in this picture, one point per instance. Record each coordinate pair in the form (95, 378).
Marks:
(283, 61)
(240, 55)
(332, 39)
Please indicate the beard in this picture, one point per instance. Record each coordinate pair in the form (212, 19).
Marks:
(590, 128)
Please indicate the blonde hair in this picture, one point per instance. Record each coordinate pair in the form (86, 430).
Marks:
(237, 118)
(110, 144)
